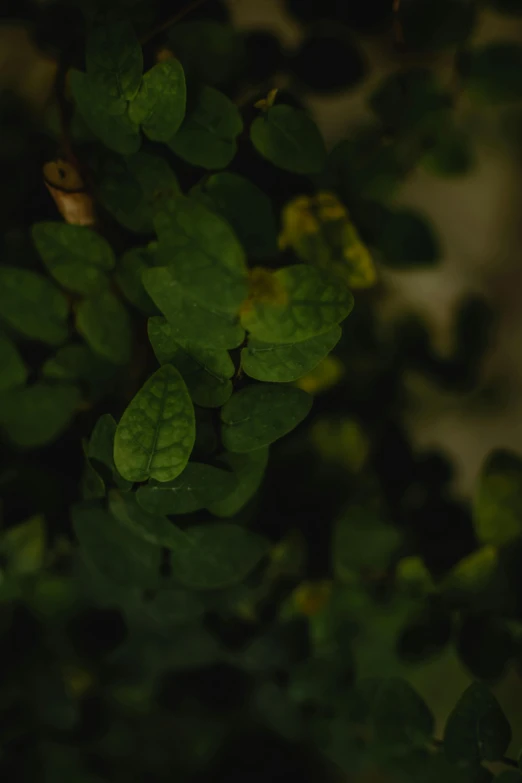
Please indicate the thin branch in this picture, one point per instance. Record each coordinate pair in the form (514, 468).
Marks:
(177, 17)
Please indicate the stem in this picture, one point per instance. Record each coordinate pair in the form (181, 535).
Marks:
(177, 17)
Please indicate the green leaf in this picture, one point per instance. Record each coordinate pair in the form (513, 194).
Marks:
(104, 323)
(13, 371)
(208, 135)
(247, 209)
(33, 305)
(106, 117)
(174, 606)
(38, 414)
(497, 510)
(23, 546)
(92, 486)
(152, 527)
(133, 188)
(210, 52)
(75, 256)
(156, 433)
(196, 488)
(284, 363)
(114, 59)
(159, 107)
(206, 371)
(259, 415)
(113, 550)
(399, 716)
(451, 154)
(289, 139)
(362, 540)
(188, 318)
(100, 448)
(492, 72)
(216, 556)
(406, 239)
(307, 302)
(129, 277)
(477, 729)
(249, 470)
(203, 254)
(77, 362)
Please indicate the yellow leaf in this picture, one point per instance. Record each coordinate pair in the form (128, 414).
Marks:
(326, 375)
(266, 103)
(68, 191)
(310, 598)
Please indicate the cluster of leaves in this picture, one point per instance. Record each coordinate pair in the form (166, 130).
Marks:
(184, 589)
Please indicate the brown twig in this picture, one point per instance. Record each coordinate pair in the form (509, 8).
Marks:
(177, 17)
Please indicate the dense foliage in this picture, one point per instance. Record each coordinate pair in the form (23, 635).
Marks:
(219, 553)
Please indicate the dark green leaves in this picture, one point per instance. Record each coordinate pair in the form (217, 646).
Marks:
(208, 135)
(477, 729)
(406, 239)
(398, 715)
(362, 541)
(38, 414)
(154, 528)
(497, 512)
(196, 488)
(159, 106)
(306, 302)
(210, 52)
(13, 371)
(203, 326)
(77, 257)
(203, 254)
(107, 117)
(206, 371)
(104, 322)
(216, 556)
(156, 433)
(493, 72)
(114, 59)
(287, 362)
(113, 550)
(259, 415)
(249, 470)
(32, 305)
(100, 449)
(289, 139)
(129, 273)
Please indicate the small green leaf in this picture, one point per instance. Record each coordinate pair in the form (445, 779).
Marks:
(75, 256)
(492, 72)
(259, 415)
(289, 139)
(362, 541)
(198, 486)
(152, 527)
(107, 117)
(112, 549)
(188, 318)
(92, 486)
(497, 510)
(399, 715)
(208, 135)
(249, 470)
(100, 448)
(206, 371)
(247, 209)
(114, 59)
(104, 323)
(203, 254)
(156, 433)
(308, 303)
(477, 729)
(23, 546)
(283, 363)
(33, 305)
(133, 188)
(13, 371)
(129, 277)
(159, 107)
(216, 556)
(38, 414)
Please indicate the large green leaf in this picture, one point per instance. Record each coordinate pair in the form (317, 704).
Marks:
(216, 556)
(249, 470)
(196, 488)
(133, 188)
(13, 371)
(112, 549)
(492, 72)
(33, 305)
(114, 59)
(77, 257)
(477, 729)
(247, 209)
(104, 323)
(107, 117)
(100, 448)
(38, 414)
(159, 106)
(289, 139)
(203, 254)
(284, 363)
(156, 433)
(497, 510)
(129, 277)
(206, 371)
(188, 319)
(261, 414)
(152, 527)
(399, 716)
(208, 135)
(306, 302)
